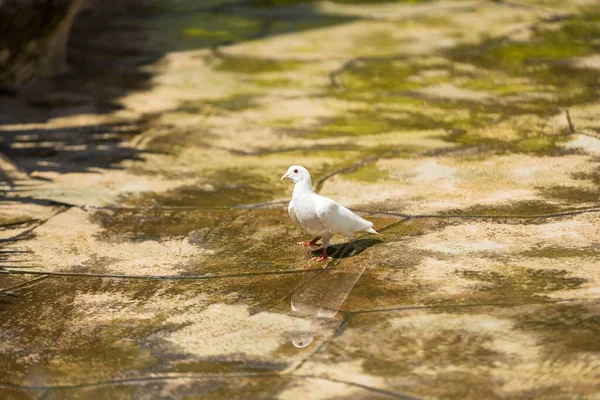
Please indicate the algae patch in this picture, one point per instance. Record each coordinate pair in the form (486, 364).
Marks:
(369, 173)
(251, 65)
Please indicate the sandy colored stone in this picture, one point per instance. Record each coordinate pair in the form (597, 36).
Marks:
(69, 242)
(229, 331)
(449, 112)
(421, 185)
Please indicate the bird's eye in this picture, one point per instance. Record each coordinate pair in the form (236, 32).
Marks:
(295, 171)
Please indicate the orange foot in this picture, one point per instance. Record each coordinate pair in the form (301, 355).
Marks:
(321, 258)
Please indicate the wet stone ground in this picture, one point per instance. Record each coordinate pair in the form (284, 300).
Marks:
(146, 250)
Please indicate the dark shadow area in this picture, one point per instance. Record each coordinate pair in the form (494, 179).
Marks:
(110, 44)
(350, 249)
(65, 150)
(7, 297)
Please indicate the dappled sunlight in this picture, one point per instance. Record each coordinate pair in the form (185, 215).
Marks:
(146, 244)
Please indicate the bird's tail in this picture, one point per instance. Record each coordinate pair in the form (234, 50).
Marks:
(371, 230)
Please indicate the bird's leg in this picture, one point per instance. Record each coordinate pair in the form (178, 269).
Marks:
(312, 243)
(323, 256)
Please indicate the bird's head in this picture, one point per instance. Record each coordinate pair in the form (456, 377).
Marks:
(297, 173)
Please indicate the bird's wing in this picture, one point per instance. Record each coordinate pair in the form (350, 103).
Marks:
(338, 219)
(292, 213)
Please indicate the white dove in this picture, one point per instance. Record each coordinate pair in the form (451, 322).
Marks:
(319, 215)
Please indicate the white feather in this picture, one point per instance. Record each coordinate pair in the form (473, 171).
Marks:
(319, 215)
(293, 214)
(337, 218)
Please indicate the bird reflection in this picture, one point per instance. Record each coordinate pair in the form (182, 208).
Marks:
(302, 341)
(322, 295)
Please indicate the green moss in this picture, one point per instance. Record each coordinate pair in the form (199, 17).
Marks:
(353, 125)
(369, 173)
(213, 28)
(539, 144)
(532, 142)
(238, 102)
(275, 82)
(501, 84)
(275, 3)
(250, 65)
(528, 78)
(542, 60)
(385, 75)
(372, 122)
(336, 153)
(234, 103)
(574, 38)
(280, 26)
(212, 35)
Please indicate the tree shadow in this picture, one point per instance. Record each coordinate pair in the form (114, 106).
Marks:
(63, 150)
(110, 47)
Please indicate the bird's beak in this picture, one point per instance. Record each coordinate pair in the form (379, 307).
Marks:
(284, 177)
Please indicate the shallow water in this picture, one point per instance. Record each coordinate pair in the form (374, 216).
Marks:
(147, 246)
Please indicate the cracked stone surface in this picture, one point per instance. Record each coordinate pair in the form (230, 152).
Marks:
(145, 244)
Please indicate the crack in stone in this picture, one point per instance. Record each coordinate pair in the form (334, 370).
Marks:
(171, 377)
(325, 344)
(405, 217)
(567, 213)
(574, 131)
(318, 185)
(395, 395)
(9, 270)
(520, 4)
(280, 203)
(450, 306)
